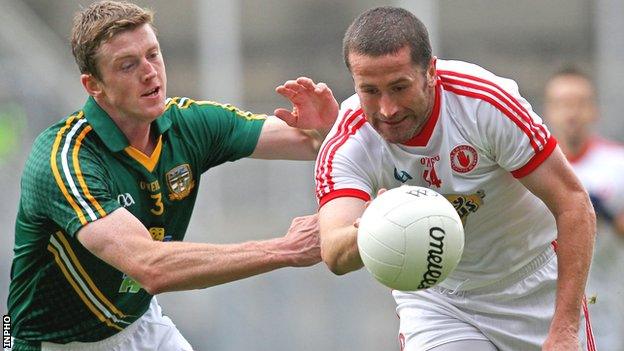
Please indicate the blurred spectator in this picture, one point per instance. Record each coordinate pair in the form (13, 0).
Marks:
(571, 113)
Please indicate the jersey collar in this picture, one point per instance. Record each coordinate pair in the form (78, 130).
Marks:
(422, 138)
(108, 131)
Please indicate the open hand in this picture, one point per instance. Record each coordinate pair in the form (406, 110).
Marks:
(314, 105)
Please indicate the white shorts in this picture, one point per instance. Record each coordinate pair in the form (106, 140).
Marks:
(513, 314)
(152, 331)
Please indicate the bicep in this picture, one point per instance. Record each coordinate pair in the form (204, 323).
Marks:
(117, 239)
(340, 213)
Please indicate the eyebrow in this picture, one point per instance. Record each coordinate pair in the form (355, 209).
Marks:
(131, 55)
(394, 82)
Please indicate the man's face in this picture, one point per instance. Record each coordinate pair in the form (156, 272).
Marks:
(397, 96)
(133, 79)
(570, 107)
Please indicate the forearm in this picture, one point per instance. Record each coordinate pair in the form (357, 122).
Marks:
(280, 141)
(575, 241)
(340, 252)
(171, 266)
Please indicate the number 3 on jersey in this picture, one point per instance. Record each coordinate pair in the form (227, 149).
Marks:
(158, 208)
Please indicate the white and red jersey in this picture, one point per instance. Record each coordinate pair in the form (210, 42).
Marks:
(480, 137)
(600, 167)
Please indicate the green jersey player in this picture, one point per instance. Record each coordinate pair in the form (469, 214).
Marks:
(107, 194)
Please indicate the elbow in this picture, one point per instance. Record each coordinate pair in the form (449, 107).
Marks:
(333, 262)
(151, 279)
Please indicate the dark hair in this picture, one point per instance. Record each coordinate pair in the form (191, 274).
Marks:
(571, 70)
(385, 30)
(98, 23)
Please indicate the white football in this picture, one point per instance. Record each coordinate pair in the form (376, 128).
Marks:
(410, 238)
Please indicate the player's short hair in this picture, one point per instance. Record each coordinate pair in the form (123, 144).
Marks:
(385, 30)
(571, 70)
(98, 23)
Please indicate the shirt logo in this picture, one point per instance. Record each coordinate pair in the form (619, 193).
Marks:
(464, 158)
(180, 182)
(125, 200)
(429, 174)
(403, 177)
(466, 204)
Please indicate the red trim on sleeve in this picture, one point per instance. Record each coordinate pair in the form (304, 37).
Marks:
(344, 193)
(536, 160)
(422, 138)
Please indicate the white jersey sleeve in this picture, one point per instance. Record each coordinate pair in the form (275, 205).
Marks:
(507, 128)
(343, 165)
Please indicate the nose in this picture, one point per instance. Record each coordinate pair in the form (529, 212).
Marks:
(387, 106)
(149, 71)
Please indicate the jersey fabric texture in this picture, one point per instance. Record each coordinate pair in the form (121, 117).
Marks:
(600, 167)
(480, 137)
(82, 169)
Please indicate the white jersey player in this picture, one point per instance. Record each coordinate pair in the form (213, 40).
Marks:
(499, 138)
(462, 131)
(571, 112)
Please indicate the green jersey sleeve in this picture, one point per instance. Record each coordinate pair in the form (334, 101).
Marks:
(218, 133)
(64, 181)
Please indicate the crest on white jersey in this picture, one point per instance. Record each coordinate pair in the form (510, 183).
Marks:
(464, 158)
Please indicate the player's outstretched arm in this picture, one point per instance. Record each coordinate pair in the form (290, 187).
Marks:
(122, 241)
(339, 234)
(556, 185)
(299, 132)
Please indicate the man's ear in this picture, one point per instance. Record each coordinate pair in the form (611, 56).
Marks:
(431, 72)
(92, 85)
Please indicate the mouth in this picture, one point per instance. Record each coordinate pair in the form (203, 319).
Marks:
(395, 121)
(151, 93)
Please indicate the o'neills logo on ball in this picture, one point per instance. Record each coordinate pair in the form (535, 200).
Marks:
(464, 158)
(434, 258)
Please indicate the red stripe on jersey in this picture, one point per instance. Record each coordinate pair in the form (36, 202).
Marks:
(522, 114)
(344, 193)
(323, 152)
(495, 103)
(330, 181)
(346, 129)
(320, 166)
(539, 129)
(536, 160)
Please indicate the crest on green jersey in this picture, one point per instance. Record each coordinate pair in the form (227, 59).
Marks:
(180, 182)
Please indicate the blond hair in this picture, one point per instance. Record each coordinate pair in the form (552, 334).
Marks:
(98, 23)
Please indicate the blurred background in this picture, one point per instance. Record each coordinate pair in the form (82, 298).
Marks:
(238, 51)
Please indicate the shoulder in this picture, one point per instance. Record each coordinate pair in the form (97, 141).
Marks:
(607, 150)
(186, 107)
(469, 83)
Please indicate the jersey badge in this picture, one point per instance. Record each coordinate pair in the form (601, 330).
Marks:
(466, 204)
(402, 177)
(429, 174)
(464, 158)
(180, 182)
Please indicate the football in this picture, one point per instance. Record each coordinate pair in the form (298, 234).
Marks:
(410, 238)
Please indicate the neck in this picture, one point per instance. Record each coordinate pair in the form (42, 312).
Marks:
(139, 134)
(572, 147)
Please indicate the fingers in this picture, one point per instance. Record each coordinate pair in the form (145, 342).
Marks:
(381, 191)
(286, 116)
(301, 85)
(357, 223)
(286, 92)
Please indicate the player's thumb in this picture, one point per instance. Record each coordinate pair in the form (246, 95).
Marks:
(286, 116)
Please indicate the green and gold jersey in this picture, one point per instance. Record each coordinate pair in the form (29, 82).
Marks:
(80, 170)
